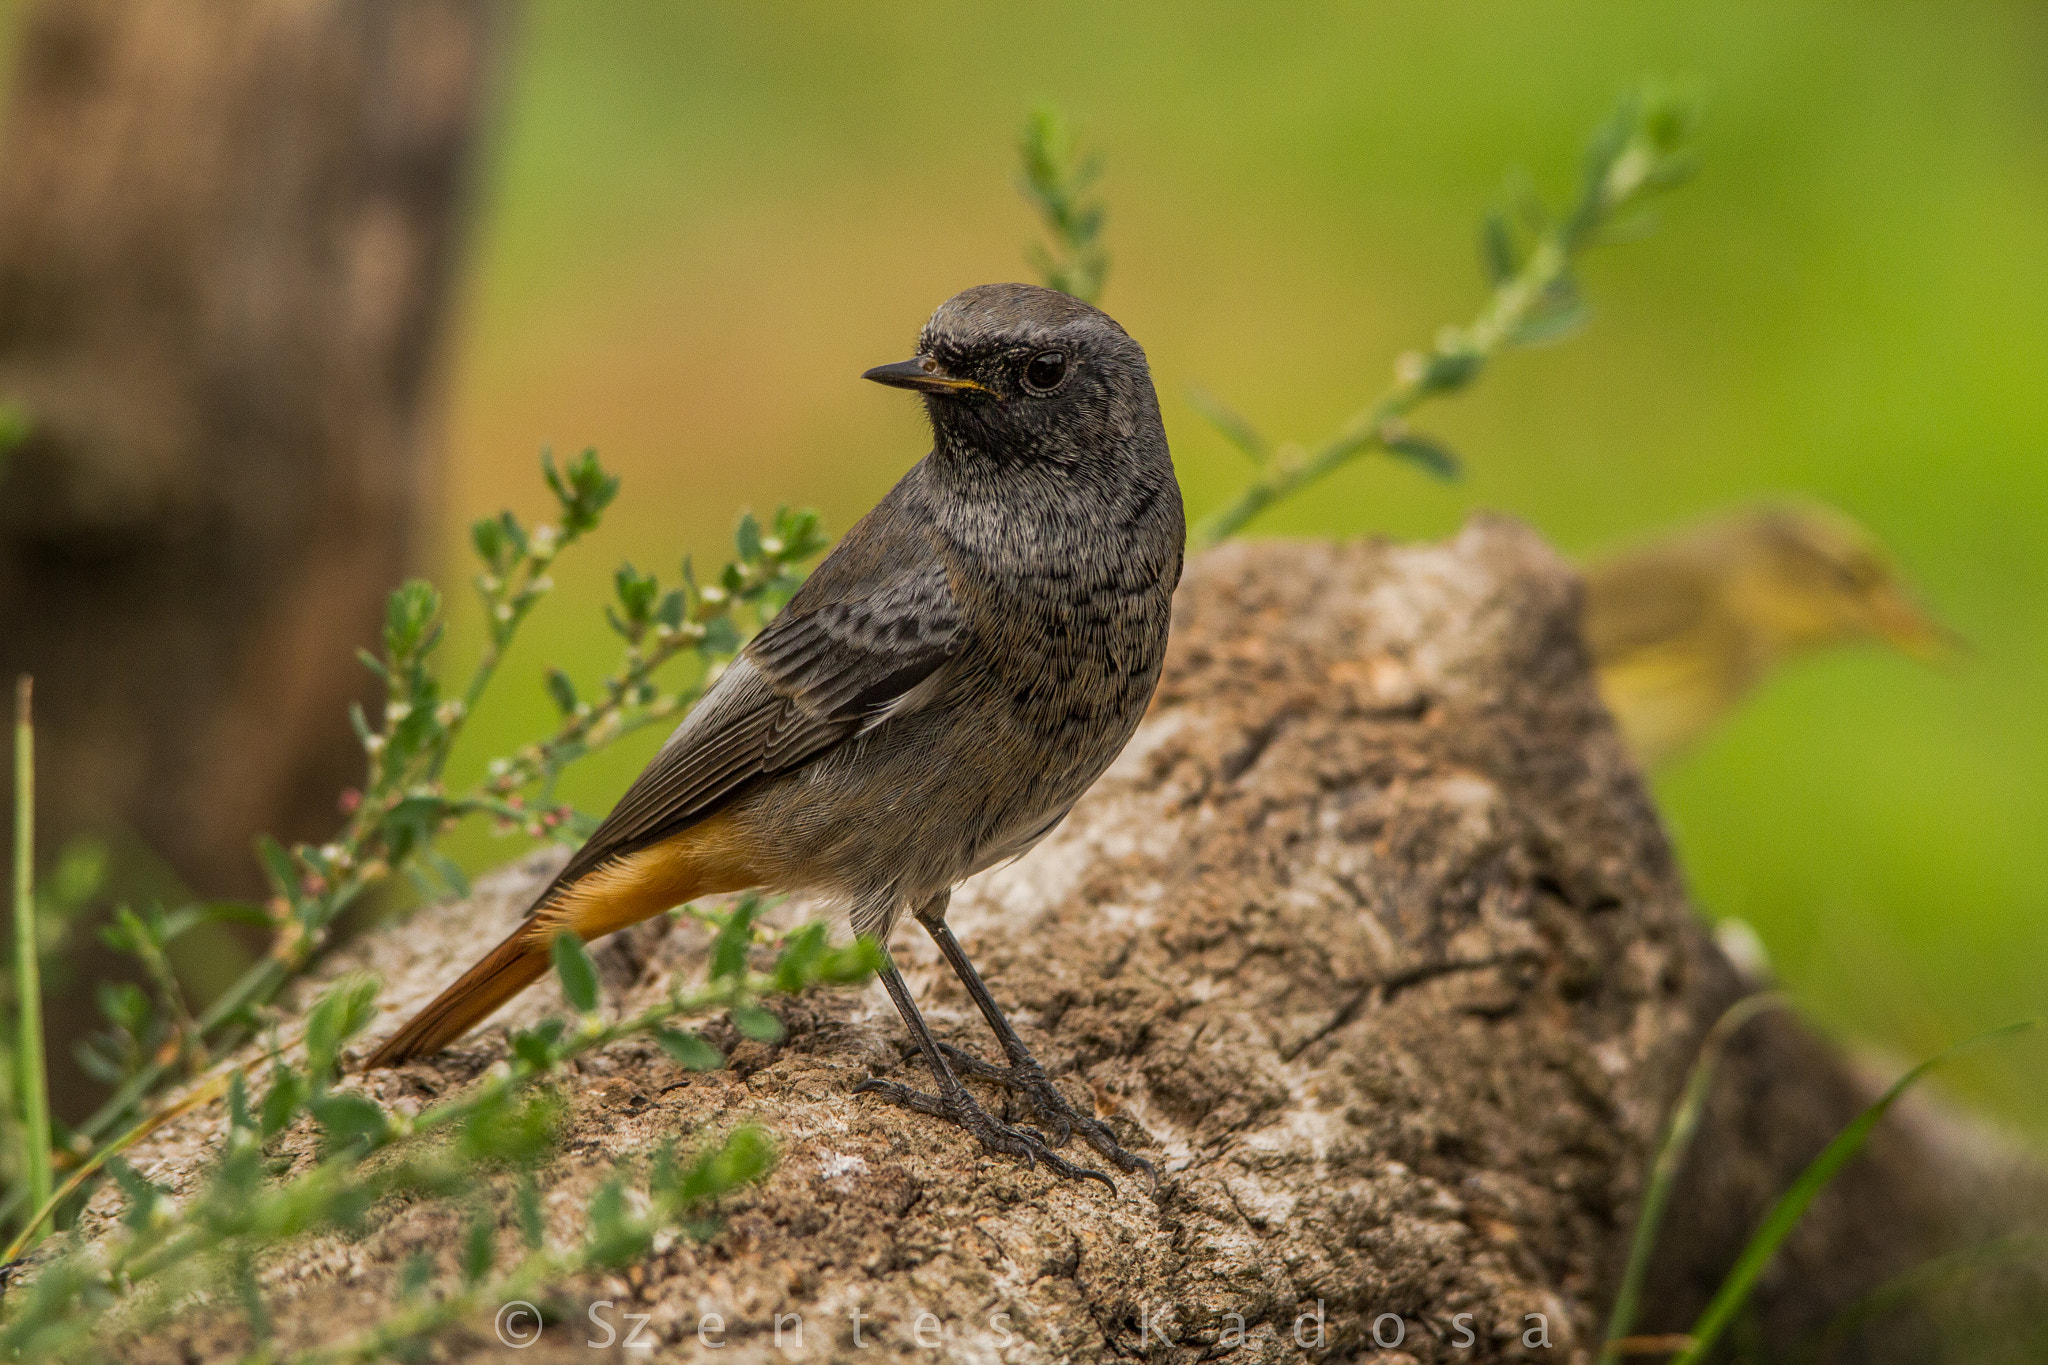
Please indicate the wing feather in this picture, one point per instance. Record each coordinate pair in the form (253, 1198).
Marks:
(864, 638)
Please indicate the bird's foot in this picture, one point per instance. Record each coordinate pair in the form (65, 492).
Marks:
(1028, 1079)
(960, 1109)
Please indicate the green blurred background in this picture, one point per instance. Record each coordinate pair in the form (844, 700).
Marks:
(703, 221)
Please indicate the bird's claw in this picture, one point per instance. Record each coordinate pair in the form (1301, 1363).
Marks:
(1029, 1080)
(961, 1110)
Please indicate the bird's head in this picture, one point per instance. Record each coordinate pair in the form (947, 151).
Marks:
(1014, 375)
(1815, 577)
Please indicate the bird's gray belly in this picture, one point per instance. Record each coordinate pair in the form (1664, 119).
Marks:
(979, 774)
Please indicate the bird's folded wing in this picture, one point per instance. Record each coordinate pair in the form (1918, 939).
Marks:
(838, 655)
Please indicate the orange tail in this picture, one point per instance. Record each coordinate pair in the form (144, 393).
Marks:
(701, 861)
(506, 970)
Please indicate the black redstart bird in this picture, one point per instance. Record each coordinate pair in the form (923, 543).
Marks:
(932, 701)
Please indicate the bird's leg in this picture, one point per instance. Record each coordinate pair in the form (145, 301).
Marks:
(954, 1104)
(1023, 1075)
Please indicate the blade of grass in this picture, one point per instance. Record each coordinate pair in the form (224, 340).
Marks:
(1791, 1206)
(29, 1071)
(1685, 1121)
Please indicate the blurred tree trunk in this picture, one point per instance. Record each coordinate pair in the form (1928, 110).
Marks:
(228, 233)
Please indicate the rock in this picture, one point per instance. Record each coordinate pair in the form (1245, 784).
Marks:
(1371, 940)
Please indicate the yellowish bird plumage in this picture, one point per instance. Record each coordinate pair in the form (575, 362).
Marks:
(1682, 629)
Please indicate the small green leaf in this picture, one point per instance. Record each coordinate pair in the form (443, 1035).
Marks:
(514, 533)
(288, 1091)
(801, 532)
(125, 1007)
(797, 966)
(577, 972)
(348, 1119)
(582, 488)
(502, 1129)
(416, 1274)
(689, 1049)
(343, 1012)
(250, 1293)
(562, 691)
(1448, 371)
(480, 1248)
(721, 637)
(616, 1238)
(1497, 249)
(744, 1157)
(488, 536)
(757, 1023)
(238, 1105)
(235, 912)
(747, 538)
(126, 934)
(532, 1229)
(408, 617)
(852, 963)
(663, 1176)
(1432, 457)
(735, 937)
(143, 1197)
(1560, 312)
(636, 592)
(448, 870)
(536, 1046)
(279, 869)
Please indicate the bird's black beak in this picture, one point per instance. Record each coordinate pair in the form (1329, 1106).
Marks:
(923, 374)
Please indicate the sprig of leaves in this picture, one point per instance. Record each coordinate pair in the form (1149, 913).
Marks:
(1531, 258)
(1056, 179)
(166, 1250)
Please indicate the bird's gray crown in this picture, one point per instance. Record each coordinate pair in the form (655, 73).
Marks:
(1010, 319)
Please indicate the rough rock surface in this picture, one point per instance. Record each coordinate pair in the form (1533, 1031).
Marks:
(1371, 941)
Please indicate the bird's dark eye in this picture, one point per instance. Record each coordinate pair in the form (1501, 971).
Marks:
(1045, 371)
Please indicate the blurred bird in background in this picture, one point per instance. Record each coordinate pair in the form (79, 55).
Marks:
(1683, 628)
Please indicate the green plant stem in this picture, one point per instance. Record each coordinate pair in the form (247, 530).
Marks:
(29, 1066)
(1379, 424)
(1637, 153)
(1685, 1121)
